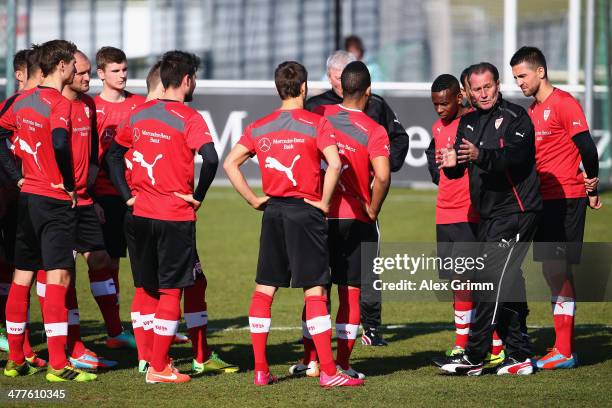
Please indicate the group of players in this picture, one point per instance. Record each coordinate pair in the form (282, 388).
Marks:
(508, 176)
(97, 176)
(58, 201)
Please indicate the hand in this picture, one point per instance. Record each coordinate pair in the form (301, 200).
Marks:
(259, 203)
(590, 184)
(130, 202)
(100, 213)
(20, 183)
(189, 199)
(319, 205)
(71, 194)
(446, 157)
(468, 152)
(373, 215)
(595, 203)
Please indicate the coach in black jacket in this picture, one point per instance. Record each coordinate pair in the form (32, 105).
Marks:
(379, 111)
(496, 143)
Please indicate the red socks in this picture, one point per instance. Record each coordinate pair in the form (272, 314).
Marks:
(165, 325)
(76, 348)
(196, 317)
(564, 310)
(259, 322)
(347, 323)
(55, 316)
(497, 345)
(148, 307)
(319, 327)
(137, 321)
(104, 290)
(16, 320)
(310, 351)
(462, 306)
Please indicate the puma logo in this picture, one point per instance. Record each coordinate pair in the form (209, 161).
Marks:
(272, 163)
(139, 158)
(24, 146)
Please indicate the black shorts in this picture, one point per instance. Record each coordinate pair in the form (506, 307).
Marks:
(8, 222)
(113, 230)
(130, 239)
(89, 232)
(293, 245)
(455, 240)
(562, 222)
(46, 229)
(163, 256)
(346, 256)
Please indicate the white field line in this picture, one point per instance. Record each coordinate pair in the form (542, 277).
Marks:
(402, 327)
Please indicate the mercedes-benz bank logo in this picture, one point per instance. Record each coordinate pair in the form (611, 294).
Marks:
(264, 144)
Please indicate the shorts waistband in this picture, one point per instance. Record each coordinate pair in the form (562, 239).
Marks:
(286, 201)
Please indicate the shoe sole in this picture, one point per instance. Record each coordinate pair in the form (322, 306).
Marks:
(54, 379)
(561, 366)
(166, 382)
(16, 373)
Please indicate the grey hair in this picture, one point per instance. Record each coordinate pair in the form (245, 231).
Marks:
(339, 59)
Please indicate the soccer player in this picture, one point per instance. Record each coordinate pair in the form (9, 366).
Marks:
(10, 201)
(164, 134)
(143, 303)
(456, 217)
(380, 112)
(47, 218)
(113, 105)
(364, 183)
(8, 205)
(496, 145)
(289, 144)
(562, 141)
(89, 239)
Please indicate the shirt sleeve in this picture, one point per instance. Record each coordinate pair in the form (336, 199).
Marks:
(247, 140)
(325, 134)
(571, 117)
(60, 115)
(378, 143)
(197, 133)
(125, 134)
(7, 120)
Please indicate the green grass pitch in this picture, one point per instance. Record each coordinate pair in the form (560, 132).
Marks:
(398, 375)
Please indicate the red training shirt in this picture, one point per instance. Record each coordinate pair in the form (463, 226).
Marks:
(359, 139)
(453, 204)
(82, 118)
(108, 116)
(164, 136)
(289, 146)
(32, 117)
(556, 121)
